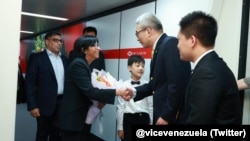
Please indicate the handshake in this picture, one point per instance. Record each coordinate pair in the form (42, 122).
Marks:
(104, 80)
(126, 93)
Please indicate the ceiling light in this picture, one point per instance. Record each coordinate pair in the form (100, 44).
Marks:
(29, 32)
(44, 16)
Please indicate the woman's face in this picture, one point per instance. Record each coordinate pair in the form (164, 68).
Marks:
(93, 51)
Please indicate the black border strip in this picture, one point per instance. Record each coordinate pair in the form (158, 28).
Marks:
(243, 43)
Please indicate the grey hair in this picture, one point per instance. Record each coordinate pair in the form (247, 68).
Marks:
(149, 20)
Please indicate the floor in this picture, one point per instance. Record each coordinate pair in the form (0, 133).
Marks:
(25, 129)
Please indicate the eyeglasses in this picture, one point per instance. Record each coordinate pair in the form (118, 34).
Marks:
(97, 46)
(137, 32)
(57, 40)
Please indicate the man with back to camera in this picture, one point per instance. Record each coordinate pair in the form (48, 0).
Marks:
(44, 83)
(168, 74)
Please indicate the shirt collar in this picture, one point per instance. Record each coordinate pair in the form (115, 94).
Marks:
(198, 60)
(157, 41)
(51, 53)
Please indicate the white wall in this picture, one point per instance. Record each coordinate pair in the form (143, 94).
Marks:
(9, 52)
(228, 39)
(170, 12)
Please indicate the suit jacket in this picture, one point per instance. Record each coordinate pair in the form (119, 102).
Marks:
(40, 83)
(168, 79)
(212, 94)
(78, 92)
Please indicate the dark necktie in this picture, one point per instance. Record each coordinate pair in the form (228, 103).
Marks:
(135, 82)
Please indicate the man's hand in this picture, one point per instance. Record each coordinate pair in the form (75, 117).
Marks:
(120, 134)
(35, 113)
(161, 121)
(100, 105)
(126, 94)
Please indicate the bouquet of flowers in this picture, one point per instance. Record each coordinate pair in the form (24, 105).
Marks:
(102, 80)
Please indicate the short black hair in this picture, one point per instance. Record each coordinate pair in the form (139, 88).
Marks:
(135, 59)
(90, 29)
(82, 42)
(52, 33)
(201, 25)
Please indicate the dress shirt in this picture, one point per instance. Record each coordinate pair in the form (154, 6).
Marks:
(144, 105)
(197, 61)
(155, 43)
(154, 46)
(57, 64)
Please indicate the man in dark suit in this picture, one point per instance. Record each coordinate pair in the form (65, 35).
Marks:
(168, 74)
(212, 94)
(44, 84)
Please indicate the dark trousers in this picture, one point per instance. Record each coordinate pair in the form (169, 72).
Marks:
(133, 119)
(84, 135)
(73, 136)
(46, 130)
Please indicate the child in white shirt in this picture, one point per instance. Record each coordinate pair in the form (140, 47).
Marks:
(129, 112)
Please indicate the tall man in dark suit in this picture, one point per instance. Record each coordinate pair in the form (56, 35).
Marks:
(212, 94)
(44, 83)
(168, 74)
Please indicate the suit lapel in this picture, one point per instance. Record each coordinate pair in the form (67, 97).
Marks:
(157, 47)
(48, 63)
(206, 59)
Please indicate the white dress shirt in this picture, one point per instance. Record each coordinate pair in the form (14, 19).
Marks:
(144, 105)
(57, 64)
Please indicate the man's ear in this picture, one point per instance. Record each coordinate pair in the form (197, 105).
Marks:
(129, 68)
(194, 40)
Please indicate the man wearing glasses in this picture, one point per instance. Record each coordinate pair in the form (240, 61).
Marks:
(44, 82)
(168, 74)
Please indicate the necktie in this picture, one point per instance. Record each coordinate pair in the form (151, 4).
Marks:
(135, 82)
